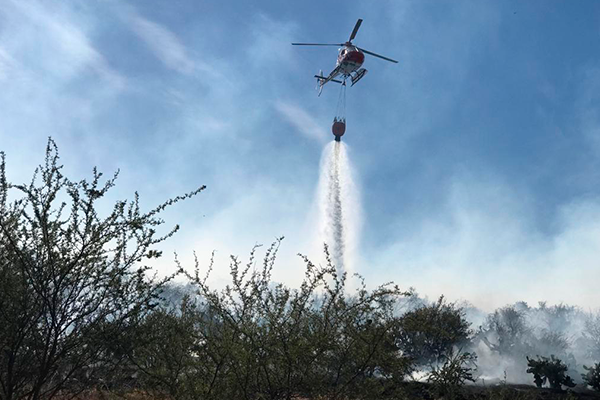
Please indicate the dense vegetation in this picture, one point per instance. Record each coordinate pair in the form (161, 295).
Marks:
(80, 315)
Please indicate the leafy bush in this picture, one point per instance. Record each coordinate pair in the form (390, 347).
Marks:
(509, 330)
(551, 369)
(70, 281)
(592, 377)
(516, 331)
(591, 335)
(457, 369)
(259, 339)
(428, 333)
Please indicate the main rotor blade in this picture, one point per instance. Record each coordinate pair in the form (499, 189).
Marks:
(377, 55)
(353, 34)
(318, 44)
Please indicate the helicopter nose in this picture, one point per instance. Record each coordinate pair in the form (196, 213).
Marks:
(356, 56)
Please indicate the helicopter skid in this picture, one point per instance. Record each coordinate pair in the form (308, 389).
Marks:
(358, 76)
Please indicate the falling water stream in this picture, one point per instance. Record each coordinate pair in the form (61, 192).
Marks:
(339, 206)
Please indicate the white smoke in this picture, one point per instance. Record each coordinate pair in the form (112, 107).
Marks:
(564, 331)
(338, 202)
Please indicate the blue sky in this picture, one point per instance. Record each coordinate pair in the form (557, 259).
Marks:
(477, 156)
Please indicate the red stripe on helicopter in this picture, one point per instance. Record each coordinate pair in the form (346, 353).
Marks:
(355, 56)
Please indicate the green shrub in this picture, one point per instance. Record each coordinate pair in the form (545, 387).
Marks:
(428, 333)
(509, 330)
(549, 369)
(457, 369)
(592, 377)
(72, 282)
(259, 339)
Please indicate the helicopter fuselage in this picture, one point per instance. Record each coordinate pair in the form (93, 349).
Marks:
(349, 59)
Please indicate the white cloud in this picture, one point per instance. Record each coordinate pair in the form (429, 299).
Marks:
(164, 44)
(168, 47)
(64, 50)
(270, 46)
(7, 64)
(45, 57)
(305, 123)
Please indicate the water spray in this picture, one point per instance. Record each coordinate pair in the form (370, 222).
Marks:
(339, 206)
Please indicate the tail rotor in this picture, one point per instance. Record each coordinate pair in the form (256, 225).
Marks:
(319, 82)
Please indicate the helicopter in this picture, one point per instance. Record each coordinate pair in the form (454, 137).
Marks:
(349, 61)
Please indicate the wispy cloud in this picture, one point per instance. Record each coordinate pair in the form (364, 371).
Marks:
(7, 64)
(168, 47)
(304, 123)
(64, 47)
(165, 45)
(270, 44)
(56, 81)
